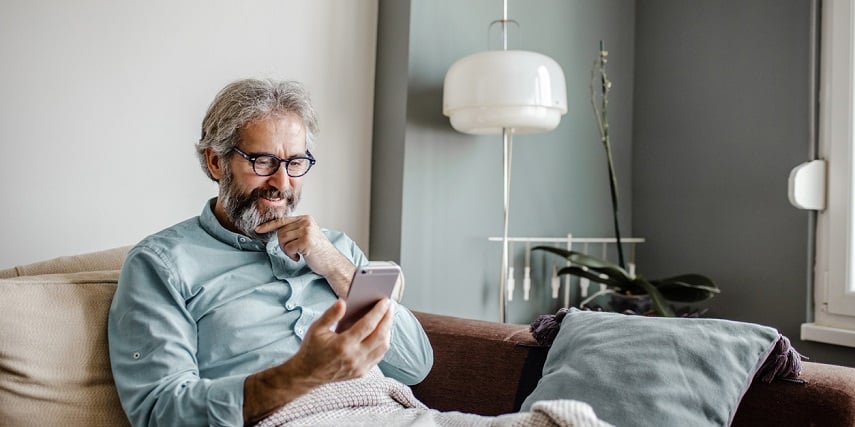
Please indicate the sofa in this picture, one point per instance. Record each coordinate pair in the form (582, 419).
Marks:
(54, 364)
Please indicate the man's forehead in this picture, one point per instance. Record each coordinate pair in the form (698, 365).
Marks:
(287, 129)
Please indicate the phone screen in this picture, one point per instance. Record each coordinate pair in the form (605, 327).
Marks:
(369, 284)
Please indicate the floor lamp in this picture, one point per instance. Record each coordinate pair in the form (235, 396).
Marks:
(504, 92)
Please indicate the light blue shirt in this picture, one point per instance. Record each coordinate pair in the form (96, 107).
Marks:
(199, 308)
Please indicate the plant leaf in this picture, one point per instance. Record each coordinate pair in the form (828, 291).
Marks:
(593, 276)
(692, 279)
(687, 288)
(594, 263)
(659, 303)
(681, 288)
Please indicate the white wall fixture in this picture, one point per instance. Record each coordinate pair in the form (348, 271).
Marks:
(504, 92)
(568, 243)
(806, 186)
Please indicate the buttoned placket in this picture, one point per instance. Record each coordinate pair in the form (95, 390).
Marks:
(285, 269)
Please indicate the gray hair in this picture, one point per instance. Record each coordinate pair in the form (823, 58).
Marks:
(243, 101)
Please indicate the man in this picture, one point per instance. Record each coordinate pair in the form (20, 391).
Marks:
(225, 317)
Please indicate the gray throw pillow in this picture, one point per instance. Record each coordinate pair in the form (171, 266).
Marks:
(636, 370)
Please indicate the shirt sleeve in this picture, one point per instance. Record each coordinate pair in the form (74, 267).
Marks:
(152, 341)
(410, 355)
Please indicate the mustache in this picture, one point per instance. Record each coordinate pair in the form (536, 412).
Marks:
(246, 201)
(272, 193)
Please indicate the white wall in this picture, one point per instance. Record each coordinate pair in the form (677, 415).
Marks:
(101, 103)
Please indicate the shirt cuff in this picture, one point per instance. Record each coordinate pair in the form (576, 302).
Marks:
(225, 402)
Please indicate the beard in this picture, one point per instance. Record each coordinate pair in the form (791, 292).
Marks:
(244, 211)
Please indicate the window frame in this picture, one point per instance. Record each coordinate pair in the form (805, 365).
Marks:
(833, 287)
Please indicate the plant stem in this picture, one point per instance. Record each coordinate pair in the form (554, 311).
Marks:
(602, 120)
(613, 188)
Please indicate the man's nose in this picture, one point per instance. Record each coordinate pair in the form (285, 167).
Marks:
(280, 180)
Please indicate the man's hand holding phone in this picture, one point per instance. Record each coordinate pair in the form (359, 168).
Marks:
(326, 355)
(370, 284)
(360, 340)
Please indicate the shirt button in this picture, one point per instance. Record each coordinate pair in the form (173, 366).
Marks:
(299, 331)
(243, 239)
(289, 306)
(136, 355)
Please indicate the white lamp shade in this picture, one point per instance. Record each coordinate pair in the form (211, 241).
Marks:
(516, 89)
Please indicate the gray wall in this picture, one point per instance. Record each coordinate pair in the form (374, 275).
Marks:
(437, 193)
(721, 115)
(709, 112)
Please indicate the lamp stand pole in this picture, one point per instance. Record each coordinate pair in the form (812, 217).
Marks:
(514, 91)
(507, 144)
(507, 140)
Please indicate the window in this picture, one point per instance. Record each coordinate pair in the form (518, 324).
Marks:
(834, 277)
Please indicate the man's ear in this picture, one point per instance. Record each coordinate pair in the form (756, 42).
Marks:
(215, 165)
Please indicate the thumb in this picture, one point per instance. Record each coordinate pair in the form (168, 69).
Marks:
(332, 315)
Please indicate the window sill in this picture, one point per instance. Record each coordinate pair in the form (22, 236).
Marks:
(828, 334)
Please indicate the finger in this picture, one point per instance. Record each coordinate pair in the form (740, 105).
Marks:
(293, 248)
(380, 341)
(291, 240)
(374, 356)
(269, 226)
(368, 323)
(331, 316)
(275, 224)
(382, 333)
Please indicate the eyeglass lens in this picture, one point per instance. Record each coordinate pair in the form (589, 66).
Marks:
(267, 165)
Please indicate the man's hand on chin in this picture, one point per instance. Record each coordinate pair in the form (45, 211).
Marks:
(300, 235)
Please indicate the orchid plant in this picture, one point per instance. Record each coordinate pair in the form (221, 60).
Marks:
(685, 288)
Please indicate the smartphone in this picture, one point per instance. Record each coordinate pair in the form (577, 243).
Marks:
(370, 283)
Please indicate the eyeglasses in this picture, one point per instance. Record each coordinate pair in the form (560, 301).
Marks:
(268, 164)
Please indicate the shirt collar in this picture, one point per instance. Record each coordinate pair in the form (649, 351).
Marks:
(212, 226)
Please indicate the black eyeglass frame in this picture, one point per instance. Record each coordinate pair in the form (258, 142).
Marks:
(287, 162)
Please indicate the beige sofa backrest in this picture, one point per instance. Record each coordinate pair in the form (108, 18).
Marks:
(54, 361)
(110, 259)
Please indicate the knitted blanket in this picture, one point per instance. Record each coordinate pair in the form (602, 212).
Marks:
(375, 400)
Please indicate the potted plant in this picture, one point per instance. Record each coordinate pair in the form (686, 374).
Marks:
(686, 288)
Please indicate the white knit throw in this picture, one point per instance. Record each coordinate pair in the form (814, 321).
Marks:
(375, 400)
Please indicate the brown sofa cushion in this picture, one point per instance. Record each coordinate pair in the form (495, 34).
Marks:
(479, 367)
(54, 362)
